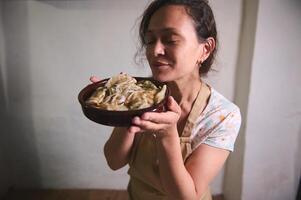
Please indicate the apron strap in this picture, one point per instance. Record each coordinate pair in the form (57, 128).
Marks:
(196, 110)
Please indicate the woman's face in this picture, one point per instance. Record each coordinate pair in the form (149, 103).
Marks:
(172, 46)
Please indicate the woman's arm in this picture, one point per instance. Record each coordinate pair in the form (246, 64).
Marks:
(189, 180)
(204, 164)
(117, 149)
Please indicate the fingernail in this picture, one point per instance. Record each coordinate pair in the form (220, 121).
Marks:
(135, 120)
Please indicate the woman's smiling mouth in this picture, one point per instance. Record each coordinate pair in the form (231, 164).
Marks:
(159, 64)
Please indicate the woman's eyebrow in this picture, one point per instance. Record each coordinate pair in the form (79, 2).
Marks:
(164, 30)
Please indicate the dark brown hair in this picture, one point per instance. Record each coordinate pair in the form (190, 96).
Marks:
(203, 18)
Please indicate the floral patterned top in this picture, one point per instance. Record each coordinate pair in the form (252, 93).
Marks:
(218, 125)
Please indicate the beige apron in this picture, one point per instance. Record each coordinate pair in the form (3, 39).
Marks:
(144, 172)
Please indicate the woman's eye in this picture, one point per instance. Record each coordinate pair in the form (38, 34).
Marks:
(171, 41)
(167, 41)
(149, 42)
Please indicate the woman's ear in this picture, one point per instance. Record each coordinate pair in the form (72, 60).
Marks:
(208, 47)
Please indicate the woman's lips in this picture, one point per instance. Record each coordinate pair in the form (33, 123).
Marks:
(160, 64)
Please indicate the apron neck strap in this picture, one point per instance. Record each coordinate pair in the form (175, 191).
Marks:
(197, 107)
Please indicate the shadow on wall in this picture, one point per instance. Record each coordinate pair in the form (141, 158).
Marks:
(5, 172)
(21, 141)
(298, 165)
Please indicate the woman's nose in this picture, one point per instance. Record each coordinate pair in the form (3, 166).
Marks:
(159, 49)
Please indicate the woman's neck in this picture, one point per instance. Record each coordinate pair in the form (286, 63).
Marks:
(185, 91)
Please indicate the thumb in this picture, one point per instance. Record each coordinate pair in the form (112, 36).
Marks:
(172, 105)
(133, 129)
(94, 79)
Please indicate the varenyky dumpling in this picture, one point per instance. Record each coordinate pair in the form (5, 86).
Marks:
(123, 92)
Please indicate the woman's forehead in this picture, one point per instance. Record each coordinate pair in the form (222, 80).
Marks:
(170, 18)
(163, 30)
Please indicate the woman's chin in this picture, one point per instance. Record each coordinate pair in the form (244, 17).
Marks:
(161, 78)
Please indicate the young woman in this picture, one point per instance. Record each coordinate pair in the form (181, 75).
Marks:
(177, 153)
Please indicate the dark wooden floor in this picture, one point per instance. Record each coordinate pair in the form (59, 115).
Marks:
(71, 194)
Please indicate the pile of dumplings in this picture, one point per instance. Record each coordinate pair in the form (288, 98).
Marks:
(123, 92)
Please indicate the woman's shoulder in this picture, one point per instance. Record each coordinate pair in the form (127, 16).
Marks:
(218, 102)
(219, 109)
(221, 119)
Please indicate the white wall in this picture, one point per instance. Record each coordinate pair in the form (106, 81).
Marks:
(269, 93)
(273, 134)
(52, 47)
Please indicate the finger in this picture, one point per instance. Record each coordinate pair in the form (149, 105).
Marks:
(163, 117)
(151, 126)
(147, 125)
(94, 79)
(172, 105)
(134, 129)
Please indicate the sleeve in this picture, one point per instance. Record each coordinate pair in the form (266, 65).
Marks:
(224, 133)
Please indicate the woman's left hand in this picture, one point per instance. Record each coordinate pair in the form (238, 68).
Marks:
(162, 123)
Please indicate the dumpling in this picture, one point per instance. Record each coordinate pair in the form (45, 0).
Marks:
(120, 79)
(97, 97)
(160, 95)
(123, 92)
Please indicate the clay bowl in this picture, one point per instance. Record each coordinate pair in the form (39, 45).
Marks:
(116, 118)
